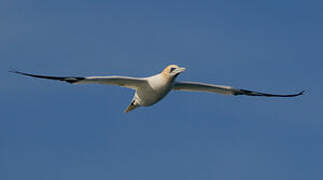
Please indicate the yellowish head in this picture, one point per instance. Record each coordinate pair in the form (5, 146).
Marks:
(172, 71)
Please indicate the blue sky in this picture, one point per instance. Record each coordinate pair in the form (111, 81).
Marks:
(51, 130)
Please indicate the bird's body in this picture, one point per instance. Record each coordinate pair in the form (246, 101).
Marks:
(150, 90)
(155, 89)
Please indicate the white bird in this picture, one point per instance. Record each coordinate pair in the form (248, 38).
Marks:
(150, 90)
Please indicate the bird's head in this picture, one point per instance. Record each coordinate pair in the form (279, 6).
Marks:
(172, 71)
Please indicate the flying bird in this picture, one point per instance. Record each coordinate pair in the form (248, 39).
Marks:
(150, 90)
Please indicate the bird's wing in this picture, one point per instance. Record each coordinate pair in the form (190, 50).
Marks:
(227, 90)
(129, 82)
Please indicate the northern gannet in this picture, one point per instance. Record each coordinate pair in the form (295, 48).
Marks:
(150, 90)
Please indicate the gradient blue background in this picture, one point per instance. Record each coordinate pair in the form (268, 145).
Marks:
(52, 130)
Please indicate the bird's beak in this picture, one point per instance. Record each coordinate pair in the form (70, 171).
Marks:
(181, 69)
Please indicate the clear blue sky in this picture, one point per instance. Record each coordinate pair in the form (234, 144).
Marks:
(56, 131)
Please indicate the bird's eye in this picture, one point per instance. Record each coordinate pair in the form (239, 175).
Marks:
(171, 69)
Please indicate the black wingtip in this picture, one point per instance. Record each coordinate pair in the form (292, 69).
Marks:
(254, 93)
(16, 72)
(69, 79)
(289, 95)
(301, 93)
(19, 72)
(298, 94)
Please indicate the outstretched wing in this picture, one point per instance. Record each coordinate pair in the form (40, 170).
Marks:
(227, 90)
(129, 82)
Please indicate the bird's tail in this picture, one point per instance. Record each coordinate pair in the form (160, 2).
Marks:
(131, 107)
